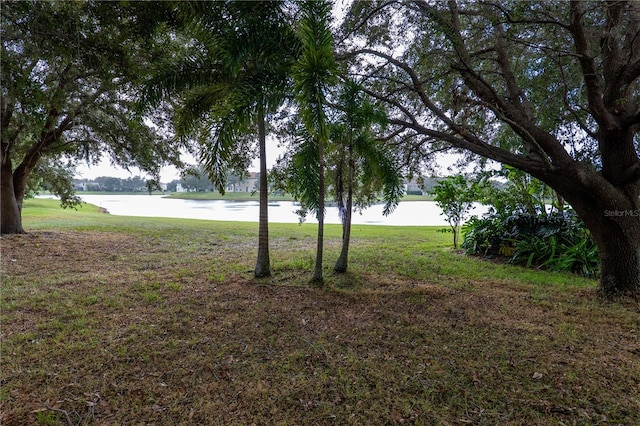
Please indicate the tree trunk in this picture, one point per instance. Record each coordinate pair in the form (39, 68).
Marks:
(619, 251)
(456, 233)
(612, 215)
(13, 183)
(616, 225)
(616, 231)
(317, 272)
(263, 266)
(10, 205)
(342, 262)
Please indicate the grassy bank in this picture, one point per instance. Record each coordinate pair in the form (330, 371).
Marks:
(81, 193)
(228, 196)
(249, 196)
(121, 320)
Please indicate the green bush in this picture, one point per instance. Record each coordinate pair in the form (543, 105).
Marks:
(558, 242)
(484, 236)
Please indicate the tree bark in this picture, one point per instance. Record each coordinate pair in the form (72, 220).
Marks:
(263, 266)
(616, 231)
(455, 228)
(317, 272)
(342, 262)
(10, 208)
(619, 257)
(616, 227)
(612, 215)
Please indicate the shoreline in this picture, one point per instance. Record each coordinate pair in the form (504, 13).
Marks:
(229, 196)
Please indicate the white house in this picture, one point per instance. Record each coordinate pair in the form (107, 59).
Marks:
(249, 184)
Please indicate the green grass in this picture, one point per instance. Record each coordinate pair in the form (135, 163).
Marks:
(228, 196)
(426, 197)
(80, 193)
(121, 320)
(253, 196)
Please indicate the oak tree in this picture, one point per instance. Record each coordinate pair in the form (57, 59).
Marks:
(68, 74)
(550, 88)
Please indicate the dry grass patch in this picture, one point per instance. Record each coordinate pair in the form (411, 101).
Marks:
(149, 328)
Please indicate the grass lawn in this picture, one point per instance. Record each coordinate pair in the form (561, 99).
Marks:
(118, 320)
(254, 196)
(228, 196)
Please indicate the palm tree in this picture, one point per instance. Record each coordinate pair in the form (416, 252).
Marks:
(362, 160)
(235, 73)
(313, 75)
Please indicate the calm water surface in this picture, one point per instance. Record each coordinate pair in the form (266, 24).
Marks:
(408, 213)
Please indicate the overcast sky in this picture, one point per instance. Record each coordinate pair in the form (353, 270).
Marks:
(105, 168)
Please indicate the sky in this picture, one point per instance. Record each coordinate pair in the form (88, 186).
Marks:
(105, 168)
(443, 161)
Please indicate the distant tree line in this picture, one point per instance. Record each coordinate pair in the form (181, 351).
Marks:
(196, 180)
(112, 184)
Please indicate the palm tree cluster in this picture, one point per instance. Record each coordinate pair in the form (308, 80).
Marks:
(244, 62)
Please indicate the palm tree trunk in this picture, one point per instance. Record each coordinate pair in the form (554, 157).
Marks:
(263, 267)
(342, 262)
(339, 190)
(317, 273)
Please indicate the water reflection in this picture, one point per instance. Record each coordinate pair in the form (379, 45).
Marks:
(408, 213)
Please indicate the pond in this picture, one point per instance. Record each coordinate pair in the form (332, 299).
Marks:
(408, 213)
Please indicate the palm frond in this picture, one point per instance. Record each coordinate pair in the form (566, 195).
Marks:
(197, 104)
(178, 75)
(380, 166)
(219, 141)
(304, 182)
(316, 69)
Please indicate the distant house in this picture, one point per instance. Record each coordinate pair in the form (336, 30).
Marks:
(420, 186)
(80, 185)
(179, 188)
(86, 185)
(413, 187)
(248, 184)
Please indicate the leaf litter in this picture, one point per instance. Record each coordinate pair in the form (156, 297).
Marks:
(119, 328)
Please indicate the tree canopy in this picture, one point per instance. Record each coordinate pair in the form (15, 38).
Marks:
(69, 74)
(550, 88)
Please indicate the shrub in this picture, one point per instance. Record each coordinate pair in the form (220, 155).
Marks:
(558, 242)
(455, 196)
(484, 236)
